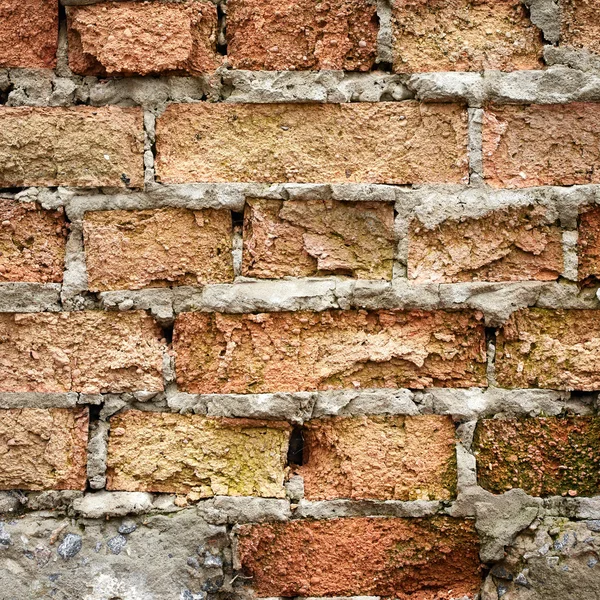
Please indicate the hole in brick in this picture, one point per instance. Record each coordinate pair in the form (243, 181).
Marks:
(167, 331)
(94, 412)
(382, 66)
(237, 218)
(296, 448)
(490, 335)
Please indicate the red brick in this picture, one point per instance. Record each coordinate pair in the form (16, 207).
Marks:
(554, 144)
(300, 35)
(407, 559)
(588, 246)
(380, 142)
(29, 35)
(127, 38)
(580, 26)
(285, 352)
(43, 449)
(80, 146)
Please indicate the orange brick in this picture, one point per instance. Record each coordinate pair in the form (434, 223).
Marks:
(284, 352)
(384, 142)
(314, 237)
(588, 246)
(300, 35)
(43, 449)
(554, 144)
(89, 352)
(157, 248)
(126, 38)
(76, 146)
(29, 33)
(383, 458)
(407, 559)
(464, 35)
(558, 349)
(189, 454)
(580, 26)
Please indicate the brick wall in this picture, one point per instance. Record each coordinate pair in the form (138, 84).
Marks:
(299, 299)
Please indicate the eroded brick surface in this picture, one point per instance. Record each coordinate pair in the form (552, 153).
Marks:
(157, 248)
(580, 26)
(464, 35)
(75, 146)
(588, 245)
(383, 142)
(142, 38)
(314, 237)
(29, 33)
(88, 351)
(555, 144)
(225, 353)
(386, 458)
(189, 454)
(408, 559)
(32, 243)
(543, 456)
(332, 34)
(509, 245)
(557, 349)
(43, 449)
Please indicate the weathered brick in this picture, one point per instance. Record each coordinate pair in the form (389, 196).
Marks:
(514, 244)
(280, 36)
(281, 352)
(43, 449)
(385, 458)
(553, 144)
(464, 35)
(29, 35)
(588, 246)
(76, 146)
(543, 456)
(407, 559)
(125, 38)
(303, 239)
(32, 242)
(157, 248)
(385, 142)
(189, 454)
(580, 26)
(558, 349)
(88, 351)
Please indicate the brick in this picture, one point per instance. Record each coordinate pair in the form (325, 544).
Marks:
(558, 349)
(588, 246)
(543, 456)
(515, 244)
(407, 559)
(385, 142)
(81, 146)
(32, 242)
(29, 33)
(88, 351)
(318, 238)
(383, 458)
(300, 35)
(157, 248)
(143, 38)
(464, 35)
(580, 26)
(553, 144)
(285, 352)
(43, 449)
(190, 454)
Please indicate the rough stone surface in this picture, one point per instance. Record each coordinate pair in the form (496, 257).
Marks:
(543, 456)
(157, 248)
(142, 38)
(370, 143)
(579, 25)
(189, 454)
(87, 352)
(588, 246)
(508, 245)
(29, 33)
(315, 237)
(103, 504)
(416, 559)
(279, 36)
(216, 353)
(78, 146)
(525, 146)
(387, 458)
(558, 349)
(464, 35)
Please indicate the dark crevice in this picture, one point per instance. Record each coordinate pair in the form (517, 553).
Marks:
(295, 454)
(222, 29)
(237, 219)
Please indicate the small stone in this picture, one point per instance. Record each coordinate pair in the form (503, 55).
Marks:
(70, 546)
(593, 525)
(116, 544)
(4, 536)
(501, 573)
(520, 579)
(127, 527)
(192, 561)
(213, 562)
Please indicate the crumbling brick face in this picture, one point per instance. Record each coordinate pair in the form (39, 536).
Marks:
(589, 245)
(579, 26)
